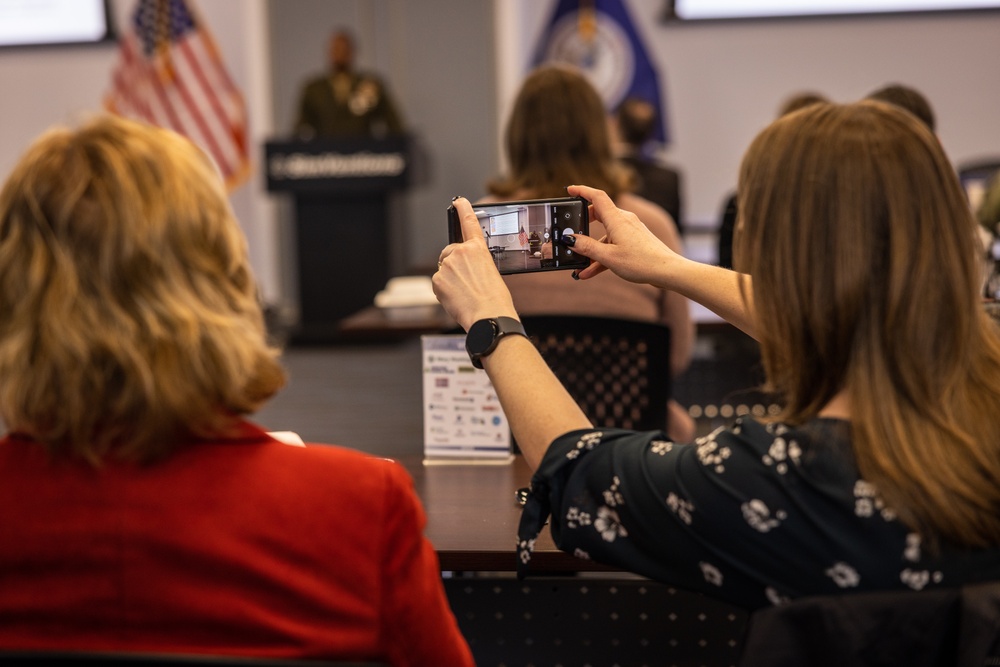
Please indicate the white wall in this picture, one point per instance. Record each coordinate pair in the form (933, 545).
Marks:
(725, 81)
(43, 86)
(58, 85)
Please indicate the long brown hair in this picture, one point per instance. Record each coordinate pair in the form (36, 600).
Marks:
(557, 135)
(130, 316)
(862, 250)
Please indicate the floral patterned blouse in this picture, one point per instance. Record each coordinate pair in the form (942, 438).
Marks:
(755, 514)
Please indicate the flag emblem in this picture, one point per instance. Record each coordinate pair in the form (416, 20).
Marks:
(599, 37)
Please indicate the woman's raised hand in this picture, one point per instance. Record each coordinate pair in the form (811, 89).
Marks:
(467, 282)
(633, 253)
(629, 249)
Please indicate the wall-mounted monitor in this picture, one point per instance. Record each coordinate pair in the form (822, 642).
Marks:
(701, 10)
(504, 223)
(51, 22)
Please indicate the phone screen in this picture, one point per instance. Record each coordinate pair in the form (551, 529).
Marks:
(523, 236)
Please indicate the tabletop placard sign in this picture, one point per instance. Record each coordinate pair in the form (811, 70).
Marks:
(463, 420)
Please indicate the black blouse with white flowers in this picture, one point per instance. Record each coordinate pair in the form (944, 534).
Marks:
(755, 515)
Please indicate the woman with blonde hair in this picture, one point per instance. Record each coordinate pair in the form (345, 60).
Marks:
(861, 285)
(141, 511)
(558, 134)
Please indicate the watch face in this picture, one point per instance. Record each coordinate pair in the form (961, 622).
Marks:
(480, 337)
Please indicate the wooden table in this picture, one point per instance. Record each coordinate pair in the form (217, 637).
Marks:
(374, 325)
(472, 517)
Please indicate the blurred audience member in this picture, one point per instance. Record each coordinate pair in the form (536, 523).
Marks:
(988, 212)
(635, 123)
(557, 135)
(727, 226)
(913, 101)
(907, 98)
(140, 510)
(988, 215)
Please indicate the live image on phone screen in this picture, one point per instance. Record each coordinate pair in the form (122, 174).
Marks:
(525, 236)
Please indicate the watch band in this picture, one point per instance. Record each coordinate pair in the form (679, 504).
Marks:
(484, 335)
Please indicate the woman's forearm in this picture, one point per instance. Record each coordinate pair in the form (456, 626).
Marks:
(536, 404)
(714, 287)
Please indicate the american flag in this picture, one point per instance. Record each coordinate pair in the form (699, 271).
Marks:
(522, 237)
(169, 73)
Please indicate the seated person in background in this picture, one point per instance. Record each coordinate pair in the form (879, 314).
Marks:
(557, 135)
(912, 100)
(635, 122)
(988, 212)
(881, 471)
(140, 511)
(345, 102)
(988, 215)
(907, 98)
(547, 251)
(727, 226)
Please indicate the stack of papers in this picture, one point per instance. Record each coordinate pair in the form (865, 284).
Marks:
(408, 297)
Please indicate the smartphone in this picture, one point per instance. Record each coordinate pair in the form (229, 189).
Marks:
(524, 236)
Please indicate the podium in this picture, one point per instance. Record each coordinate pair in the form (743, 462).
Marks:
(341, 189)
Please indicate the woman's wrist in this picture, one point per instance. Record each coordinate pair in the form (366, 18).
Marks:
(486, 313)
(671, 273)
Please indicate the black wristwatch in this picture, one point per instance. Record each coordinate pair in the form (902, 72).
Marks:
(484, 335)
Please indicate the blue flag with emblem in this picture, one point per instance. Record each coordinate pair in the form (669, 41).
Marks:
(598, 36)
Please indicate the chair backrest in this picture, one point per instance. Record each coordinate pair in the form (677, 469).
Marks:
(618, 371)
(143, 659)
(576, 620)
(933, 628)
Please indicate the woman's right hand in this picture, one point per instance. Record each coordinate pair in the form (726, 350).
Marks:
(632, 252)
(628, 249)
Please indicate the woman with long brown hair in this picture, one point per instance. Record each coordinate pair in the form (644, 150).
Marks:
(859, 279)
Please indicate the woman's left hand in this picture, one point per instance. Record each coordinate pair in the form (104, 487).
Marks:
(467, 282)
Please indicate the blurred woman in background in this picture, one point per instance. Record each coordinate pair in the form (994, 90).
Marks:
(557, 134)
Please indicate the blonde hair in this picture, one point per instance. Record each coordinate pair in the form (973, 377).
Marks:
(130, 313)
(558, 135)
(862, 250)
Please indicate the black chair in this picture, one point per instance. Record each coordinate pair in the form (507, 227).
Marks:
(142, 659)
(618, 371)
(601, 622)
(957, 627)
